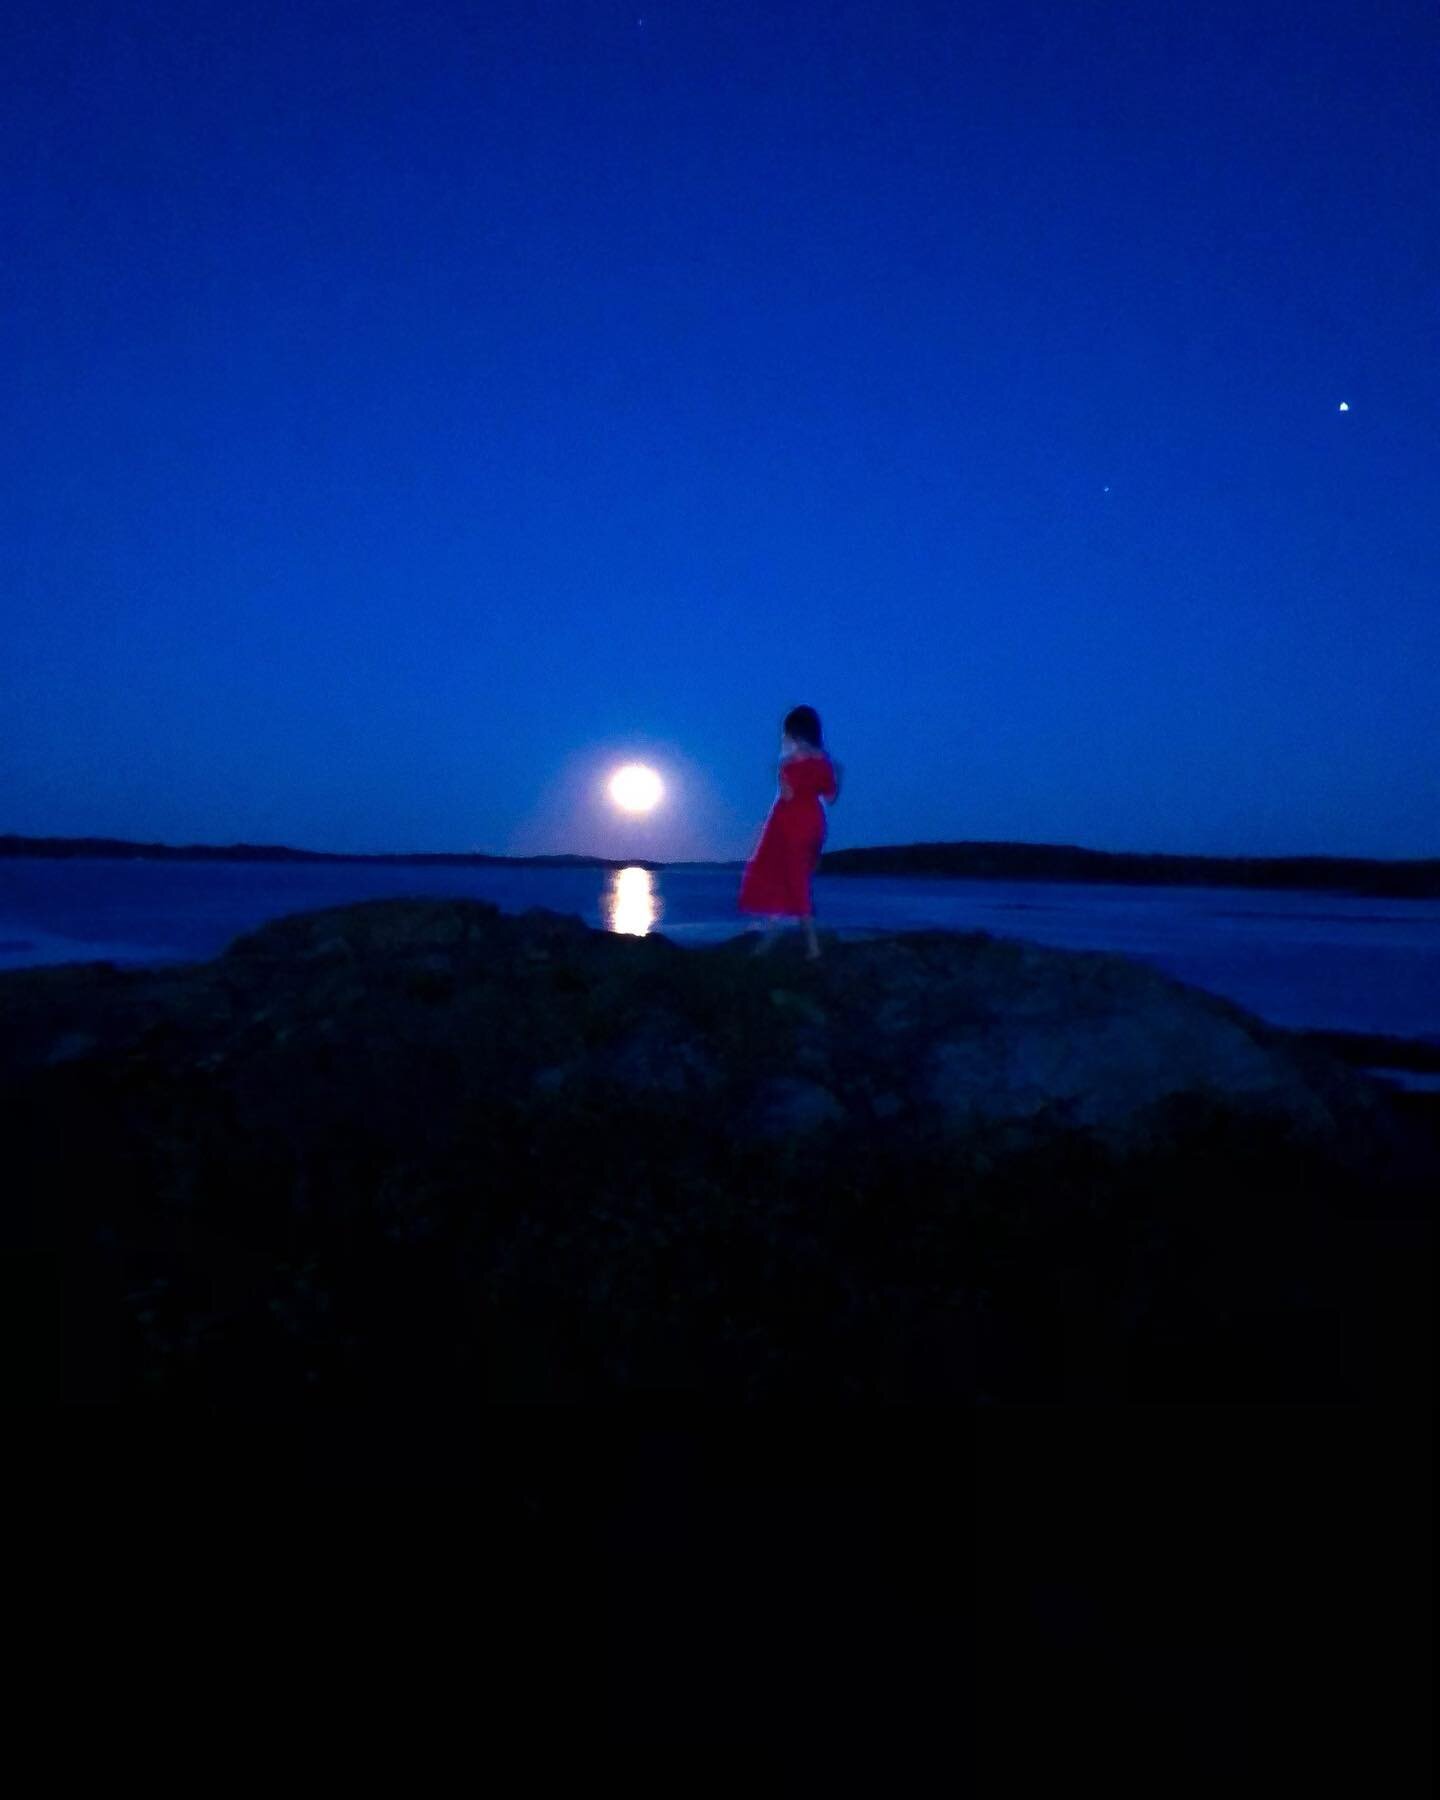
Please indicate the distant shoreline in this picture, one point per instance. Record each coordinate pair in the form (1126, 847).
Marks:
(123, 850)
(1359, 876)
(983, 861)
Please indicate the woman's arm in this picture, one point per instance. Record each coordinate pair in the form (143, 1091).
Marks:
(838, 771)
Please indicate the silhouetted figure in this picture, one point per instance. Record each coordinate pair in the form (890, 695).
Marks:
(776, 883)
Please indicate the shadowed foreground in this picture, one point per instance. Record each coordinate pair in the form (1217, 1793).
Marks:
(414, 1150)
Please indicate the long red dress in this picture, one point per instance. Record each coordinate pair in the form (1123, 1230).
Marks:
(777, 876)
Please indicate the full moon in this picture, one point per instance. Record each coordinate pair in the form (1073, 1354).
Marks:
(635, 789)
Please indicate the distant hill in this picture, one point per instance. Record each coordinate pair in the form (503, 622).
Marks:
(124, 849)
(1417, 880)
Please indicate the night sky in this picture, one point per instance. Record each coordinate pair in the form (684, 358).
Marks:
(414, 409)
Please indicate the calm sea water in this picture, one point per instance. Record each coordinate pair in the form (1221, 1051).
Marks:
(1298, 959)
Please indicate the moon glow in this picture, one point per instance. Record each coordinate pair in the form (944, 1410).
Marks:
(632, 905)
(636, 789)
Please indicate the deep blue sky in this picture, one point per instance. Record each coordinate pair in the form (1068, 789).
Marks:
(412, 408)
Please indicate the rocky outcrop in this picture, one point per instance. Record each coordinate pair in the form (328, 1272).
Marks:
(412, 1146)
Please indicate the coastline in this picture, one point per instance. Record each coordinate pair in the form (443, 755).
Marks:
(1362, 877)
(124, 850)
(1368, 877)
(1401, 1045)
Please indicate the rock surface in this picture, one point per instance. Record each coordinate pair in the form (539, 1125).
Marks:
(417, 1147)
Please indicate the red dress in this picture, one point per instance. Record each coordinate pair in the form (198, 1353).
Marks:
(777, 876)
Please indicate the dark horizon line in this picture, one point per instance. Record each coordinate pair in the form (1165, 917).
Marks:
(1412, 878)
(975, 858)
(15, 844)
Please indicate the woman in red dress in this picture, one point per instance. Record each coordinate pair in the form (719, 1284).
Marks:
(776, 882)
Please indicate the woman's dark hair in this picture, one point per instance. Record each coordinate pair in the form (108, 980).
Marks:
(803, 723)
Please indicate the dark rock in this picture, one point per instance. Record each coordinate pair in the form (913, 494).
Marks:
(799, 1006)
(1110, 1072)
(419, 1148)
(376, 927)
(790, 1107)
(658, 1056)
